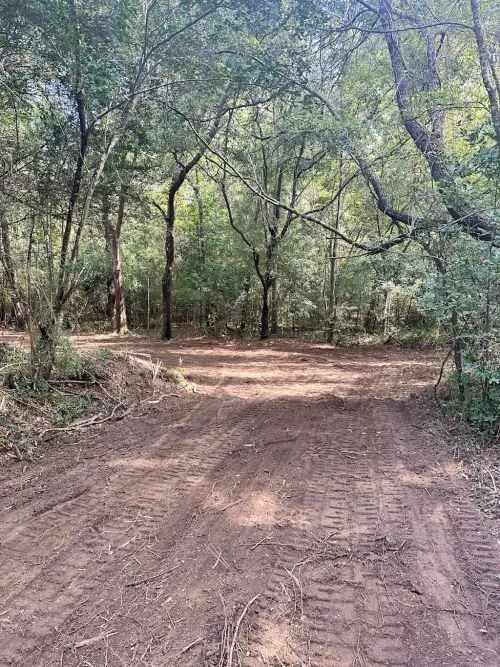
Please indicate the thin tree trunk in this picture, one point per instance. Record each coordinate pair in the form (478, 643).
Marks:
(332, 285)
(120, 309)
(264, 319)
(169, 217)
(331, 315)
(387, 313)
(116, 291)
(167, 280)
(245, 306)
(370, 321)
(110, 283)
(457, 355)
(18, 305)
(200, 230)
(274, 307)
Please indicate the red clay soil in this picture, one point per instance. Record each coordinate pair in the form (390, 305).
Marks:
(298, 473)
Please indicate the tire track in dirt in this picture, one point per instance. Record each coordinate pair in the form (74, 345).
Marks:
(366, 549)
(127, 515)
(364, 607)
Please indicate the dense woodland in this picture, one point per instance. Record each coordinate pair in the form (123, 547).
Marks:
(252, 168)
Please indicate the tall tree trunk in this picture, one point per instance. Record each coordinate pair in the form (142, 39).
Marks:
(116, 295)
(120, 309)
(245, 306)
(18, 305)
(264, 319)
(274, 307)
(268, 282)
(332, 283)
(387, 313)
(169, 217)
(370, 321)
(331, 313)
(110, 283)
(200, 230)
(167, 280)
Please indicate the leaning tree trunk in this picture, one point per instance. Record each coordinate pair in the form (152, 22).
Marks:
(430, 142)
(484, 63)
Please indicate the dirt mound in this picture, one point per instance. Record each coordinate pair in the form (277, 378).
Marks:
(85, 391)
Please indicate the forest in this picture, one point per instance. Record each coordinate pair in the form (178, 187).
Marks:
(255, 168)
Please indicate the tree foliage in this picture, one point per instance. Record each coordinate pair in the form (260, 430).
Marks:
(254, 167)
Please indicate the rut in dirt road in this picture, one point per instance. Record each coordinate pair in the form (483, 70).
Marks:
(299, 473)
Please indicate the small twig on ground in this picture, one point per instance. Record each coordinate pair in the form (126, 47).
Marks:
(218, 555)
(146, 400)
(237, 629)
(226, 507)
(494, 490)
(358, 658)
(224, 640)
(27, 404)
(146, 580)
(192, 644)
(86, 383)
(267, 537)
(93, 640)
(296, 582)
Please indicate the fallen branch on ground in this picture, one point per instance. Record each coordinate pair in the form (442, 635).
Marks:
(237, 629)
(92, 421)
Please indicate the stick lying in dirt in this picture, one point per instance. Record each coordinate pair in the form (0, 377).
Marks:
(237, 629)
(92, 421)
(196, 641)
(93, 640)
(146, 580)
(226, 507)
(146, 400)
(267, 537)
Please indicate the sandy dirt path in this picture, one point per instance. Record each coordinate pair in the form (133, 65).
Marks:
(301, 474)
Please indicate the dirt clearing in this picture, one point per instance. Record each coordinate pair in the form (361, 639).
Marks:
(297, 473)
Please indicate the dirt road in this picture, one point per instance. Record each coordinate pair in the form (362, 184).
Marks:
(301, 474)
